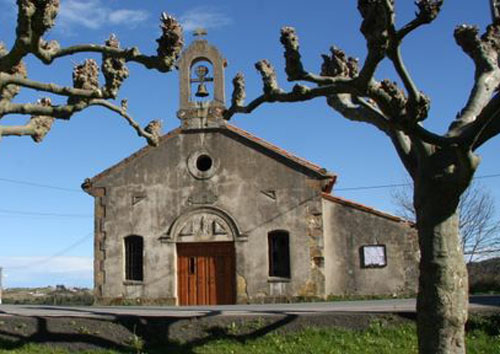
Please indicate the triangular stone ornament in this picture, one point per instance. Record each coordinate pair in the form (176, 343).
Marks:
(269, 193)
(218, 229)
(187, 229)
(137, 198)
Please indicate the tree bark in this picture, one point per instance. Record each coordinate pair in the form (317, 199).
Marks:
(443, 285)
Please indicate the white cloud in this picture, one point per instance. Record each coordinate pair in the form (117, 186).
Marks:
(94, 14)
(130, 17)
(42, 271)
(90, 14)
(205, 17)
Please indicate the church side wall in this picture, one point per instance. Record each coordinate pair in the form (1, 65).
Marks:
(353, 270)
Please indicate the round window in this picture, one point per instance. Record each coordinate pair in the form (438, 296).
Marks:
(201, 164)
(204, 163)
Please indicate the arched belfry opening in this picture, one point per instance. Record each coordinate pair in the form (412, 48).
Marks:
(201, 79)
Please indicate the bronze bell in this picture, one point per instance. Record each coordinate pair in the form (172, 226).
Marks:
(202, 91)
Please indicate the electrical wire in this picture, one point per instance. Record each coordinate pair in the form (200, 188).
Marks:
(34, 213)
(400, 184)
(39, 185)
(373, 187)
(33, 184)
(55, 255)
(49, 214)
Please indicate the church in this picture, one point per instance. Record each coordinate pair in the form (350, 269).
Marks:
(215, 215)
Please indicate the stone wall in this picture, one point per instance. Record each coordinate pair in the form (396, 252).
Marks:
(348, 228)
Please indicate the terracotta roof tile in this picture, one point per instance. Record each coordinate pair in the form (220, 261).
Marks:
(362, 207)
(280, 151)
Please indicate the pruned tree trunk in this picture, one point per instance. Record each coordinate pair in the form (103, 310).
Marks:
(442, 301)
(443, 290)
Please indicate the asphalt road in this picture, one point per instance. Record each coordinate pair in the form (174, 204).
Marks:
(476, 303)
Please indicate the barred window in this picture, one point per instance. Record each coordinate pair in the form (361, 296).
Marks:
(279, 254)
(133, 258)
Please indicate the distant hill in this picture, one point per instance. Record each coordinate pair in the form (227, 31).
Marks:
(484, 276)
(59, 295)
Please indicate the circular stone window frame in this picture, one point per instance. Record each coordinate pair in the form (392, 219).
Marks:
(193, 169)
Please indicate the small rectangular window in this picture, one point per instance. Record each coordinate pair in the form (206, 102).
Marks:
(373, 256)
(134, 258)
(279, 254)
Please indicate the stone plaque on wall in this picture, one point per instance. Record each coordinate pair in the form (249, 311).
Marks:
(204, 226)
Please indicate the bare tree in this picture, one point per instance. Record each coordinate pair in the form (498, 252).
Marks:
(441, 166)
(478, 226)
(34, 19)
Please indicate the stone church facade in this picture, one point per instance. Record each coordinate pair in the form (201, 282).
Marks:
(215, 215)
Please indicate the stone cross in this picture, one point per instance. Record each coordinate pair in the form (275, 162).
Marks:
(199, 32)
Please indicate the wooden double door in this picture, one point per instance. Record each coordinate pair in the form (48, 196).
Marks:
(206, 273)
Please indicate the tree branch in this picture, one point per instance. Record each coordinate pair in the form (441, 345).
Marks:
(17, 130)
(129, 54)
(378, 18)
(37, 127)
(293, 63)
(484, 52)
(486, 126)
(428, 11)
(299, 93)
(405, 149)
(44, 114)
(350, 91)
(169, 46)
(35, 18)
(151, 132)
(359, 110)
(418, 103)
(61, 112)
(6, 79)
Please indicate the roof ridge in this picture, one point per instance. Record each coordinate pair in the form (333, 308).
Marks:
(142, 151)
(359, 206)
(300, 160)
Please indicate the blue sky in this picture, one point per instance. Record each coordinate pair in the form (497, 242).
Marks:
(46, 234)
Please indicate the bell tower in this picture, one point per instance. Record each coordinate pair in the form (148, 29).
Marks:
(201, 78)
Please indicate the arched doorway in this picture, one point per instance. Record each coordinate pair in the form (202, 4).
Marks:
(205, 258)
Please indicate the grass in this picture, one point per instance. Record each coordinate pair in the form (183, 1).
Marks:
(43, 349)
(483, 337)
(376, 340)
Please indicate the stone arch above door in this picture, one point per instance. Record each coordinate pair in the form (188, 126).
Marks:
(206, 224)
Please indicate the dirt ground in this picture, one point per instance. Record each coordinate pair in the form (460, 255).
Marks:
(178, 335)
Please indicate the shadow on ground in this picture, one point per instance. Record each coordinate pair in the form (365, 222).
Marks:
(161, 334)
